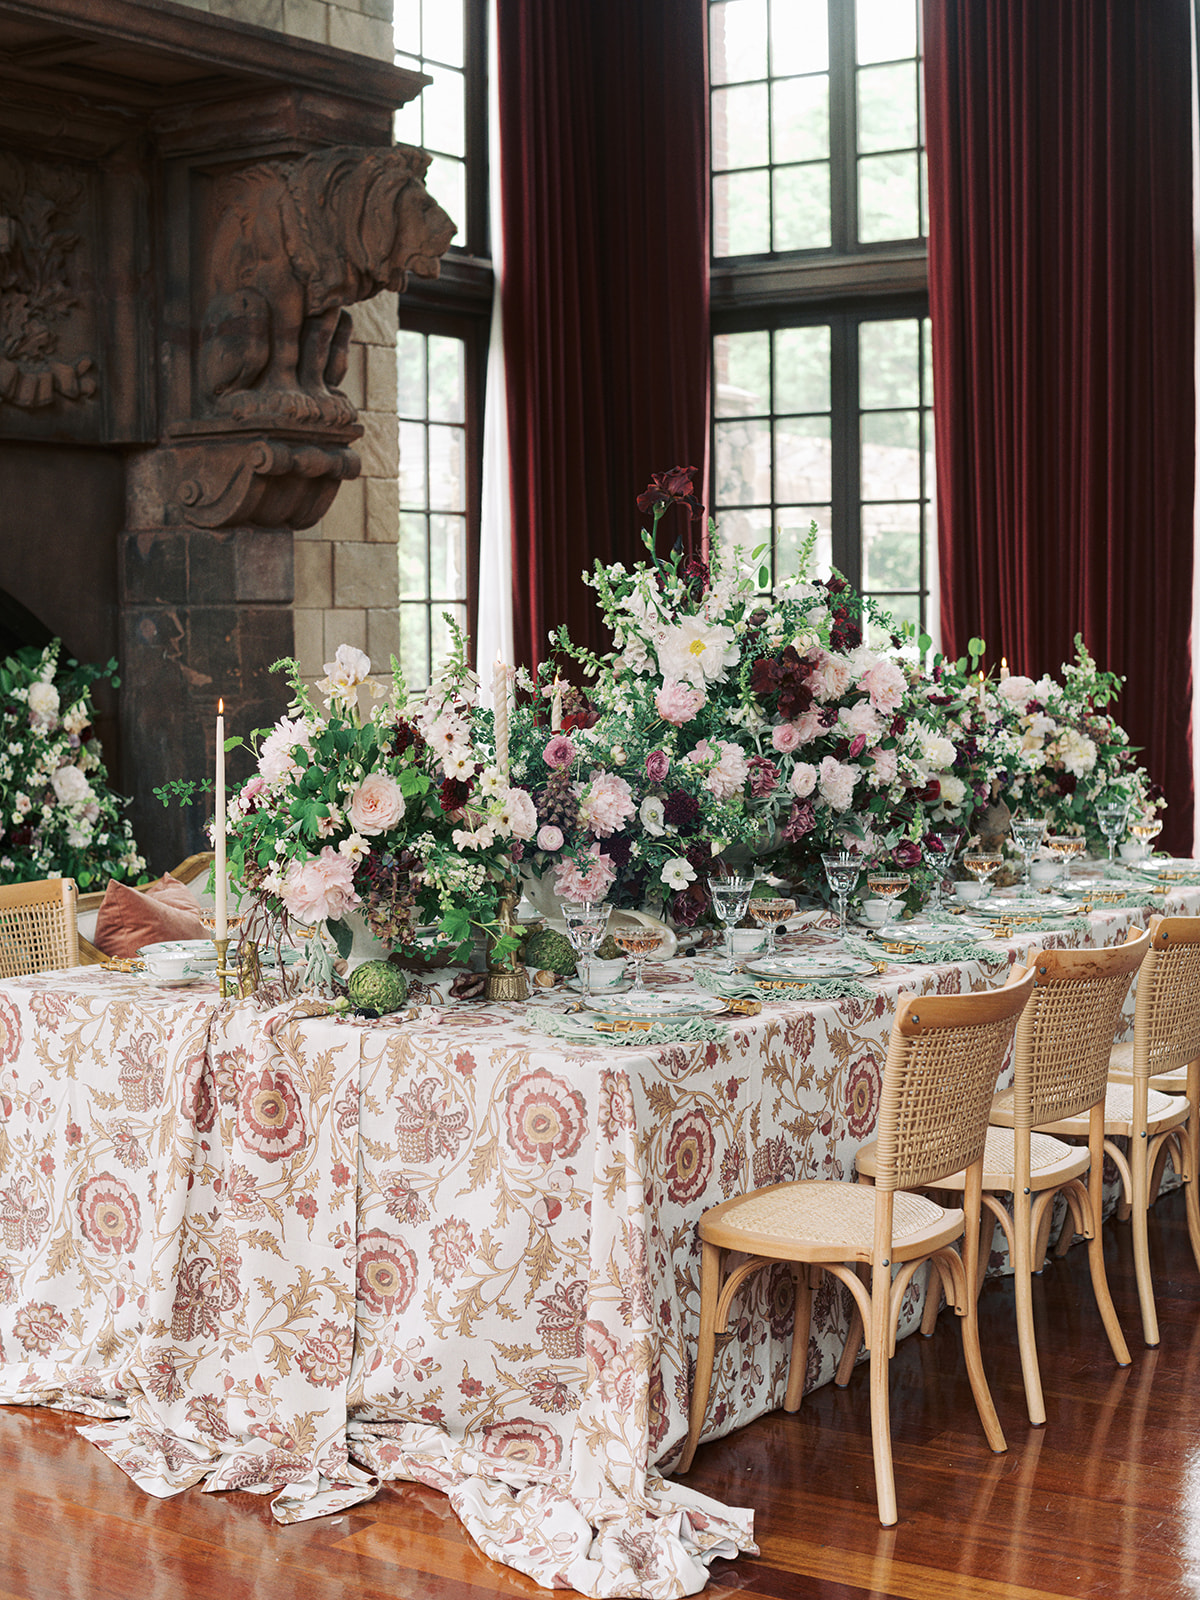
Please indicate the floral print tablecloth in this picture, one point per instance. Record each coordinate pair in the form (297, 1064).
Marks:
(298, 1254)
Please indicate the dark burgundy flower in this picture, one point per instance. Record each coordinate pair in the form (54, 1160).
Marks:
(765, 676)
(1067, 783)
(907, 854)
(801, 820)
(930, 793)
(406, 737)
(453, 794)
(857, 745)
(764, 775)
(674, 488)
(686, 908)
(681, 810)
(698, 856)
(618, 849)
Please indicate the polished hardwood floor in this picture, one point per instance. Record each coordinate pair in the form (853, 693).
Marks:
(1104, 1501)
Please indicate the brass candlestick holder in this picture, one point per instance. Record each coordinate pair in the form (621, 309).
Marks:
(506, 978)
(223, 972)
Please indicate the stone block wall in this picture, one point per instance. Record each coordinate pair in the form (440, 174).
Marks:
(346, 567)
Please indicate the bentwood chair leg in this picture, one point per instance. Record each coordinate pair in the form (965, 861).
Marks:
(1140, 1203)
(964, 1274)
(1095, 1242)
(1189, 1139)
(1023, 1292)
(854, 1338)
(806, 1279)
(933, 1300)
(710, 1286)
(881, 1421)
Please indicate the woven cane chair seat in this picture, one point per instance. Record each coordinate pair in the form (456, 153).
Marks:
(1120, 1070)
(1051, 1162)
(825, 1221)
(1163, 1111)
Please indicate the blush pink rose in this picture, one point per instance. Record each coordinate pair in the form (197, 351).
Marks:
(658, 764)
(786, 738)
(320, 888)
(550, 837)
(836, 783)
(803, 780)
(376, 805)
(678, 703)
(809, 726)
(884, 682)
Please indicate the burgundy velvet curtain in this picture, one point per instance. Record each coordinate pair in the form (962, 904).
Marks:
(603, 123)
(1061, 296)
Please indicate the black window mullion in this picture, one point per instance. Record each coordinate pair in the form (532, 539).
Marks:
(843, 129)
(846, 513)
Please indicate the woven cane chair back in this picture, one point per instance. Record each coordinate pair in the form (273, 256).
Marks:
(943, 1060)
(1166, 1027)
(1064, 1038)
(37, 927)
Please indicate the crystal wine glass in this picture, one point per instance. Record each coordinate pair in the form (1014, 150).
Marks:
(637, 944)
(730, 897)
(888, 887)
(586, 925)
(939, 849)
(841, 873)
(983, 866)
(1111, 817)
(769, 914)
(1028, 833)
(1146, 829)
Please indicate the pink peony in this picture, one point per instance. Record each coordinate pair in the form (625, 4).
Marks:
(729, 774)
(559, 752)
(658, 764)
(678, 703)
(803, 780)
(550, 837)
(517, 815)
(589, 878)
(884, 682)
(886, 765)
(275, 757)
(830, 678)
(606, 803)
(859, 720)
(809, 726)
(836, 783)
(376, 805)
(786, 738)
(320, 888)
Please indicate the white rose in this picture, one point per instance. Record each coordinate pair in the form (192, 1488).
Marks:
(43, 700)
(953, 789)
(71, 787)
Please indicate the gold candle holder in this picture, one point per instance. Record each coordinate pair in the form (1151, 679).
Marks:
(222, 969)
(506, 978)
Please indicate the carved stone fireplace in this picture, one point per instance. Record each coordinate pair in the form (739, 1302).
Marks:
(187, 207)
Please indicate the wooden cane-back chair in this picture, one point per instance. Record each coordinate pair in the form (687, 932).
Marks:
(942, 1062)
(1060, 1069)
(37, 927)
(1166, 1045)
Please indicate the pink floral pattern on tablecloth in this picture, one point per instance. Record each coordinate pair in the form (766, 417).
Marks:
(298, 1255)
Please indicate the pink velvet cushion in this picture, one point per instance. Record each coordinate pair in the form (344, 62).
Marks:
(129, 918)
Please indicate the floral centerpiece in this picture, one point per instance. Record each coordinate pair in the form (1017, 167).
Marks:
(725, 721)
(58, 817)
(399, 816)
(1052, 748)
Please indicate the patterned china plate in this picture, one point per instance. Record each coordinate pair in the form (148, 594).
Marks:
(654, 1007)
(1027, 905)
(959, 931)
(1159, 864)
(599, 990)
(198, 953)
(809, 969)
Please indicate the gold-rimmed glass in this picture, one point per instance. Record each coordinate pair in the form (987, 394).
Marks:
(769, 914)
(888, 887)
(638, 943)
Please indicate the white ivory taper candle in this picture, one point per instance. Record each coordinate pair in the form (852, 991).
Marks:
(500, 708)
(556, 706)
(222, 909)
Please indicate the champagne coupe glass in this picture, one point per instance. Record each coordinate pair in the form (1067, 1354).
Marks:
(1111, 817)
(888, 887)
(586, 925)
(1146, 829)
(637, 944)
(939, 849)
(841, 874)
(982, 865)
(1064, 847)
(1028, 833)
(730, 897)
(769, 914)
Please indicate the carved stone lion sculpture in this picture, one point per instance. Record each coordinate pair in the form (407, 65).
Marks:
(294, 243)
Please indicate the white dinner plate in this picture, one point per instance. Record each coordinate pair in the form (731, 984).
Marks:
(809, 969)
(1159, 864)
(1027, 905)
(654, 1007)
(599, 990)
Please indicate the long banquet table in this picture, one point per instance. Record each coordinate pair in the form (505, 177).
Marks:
(299, 1254)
